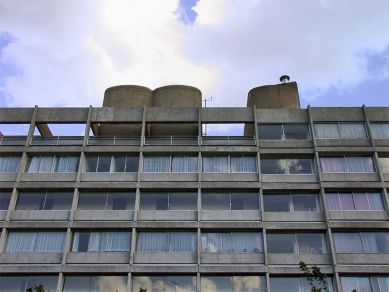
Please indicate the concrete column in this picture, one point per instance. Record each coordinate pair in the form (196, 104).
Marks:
(67, 246)
(3, 238)
(76, 196)
(61, 280)
(133, 245)
(137, 203)
(12, 204)
(88, 127)
(129, 282)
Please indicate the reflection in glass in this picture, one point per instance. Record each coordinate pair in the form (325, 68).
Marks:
(101, 241)
(293, 284)
(45, 201)
(164, 283)
(302, 243)
(106, 201)
(230, 201)
(21, 283)
(235, 242)
(95, 283)
(184, 241)
(273, 166)
(168, 201)
(233, 283)
(291, 203)
(5, 198)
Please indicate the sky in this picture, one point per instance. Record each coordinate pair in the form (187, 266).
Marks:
(66, 53)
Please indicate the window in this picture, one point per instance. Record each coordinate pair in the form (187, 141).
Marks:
(169, 241)
(235, 242)
(38, 241)
(361, 242)
(168, 201)
(384, 164)
(95, 283)
(52, 164)
(164, 283)
(347, 164)
(230, 201)
(291, 203)
(283, 132)
(5, 198)
(301, 243)
(112, 163)
(354, 201)
(233, 283)
(365, 284)
(45, 201)
(101, 241)
(340, 131)
(9, 163)
(229, 163)
(21, 283)
(295, 284)
(106, 201)
(179, 163)
(287, 166)
(380, 130)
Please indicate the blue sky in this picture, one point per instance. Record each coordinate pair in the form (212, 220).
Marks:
(66, 53)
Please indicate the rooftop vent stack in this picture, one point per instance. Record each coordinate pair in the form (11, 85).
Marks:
(279, 96)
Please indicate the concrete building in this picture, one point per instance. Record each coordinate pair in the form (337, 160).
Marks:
(146, 199)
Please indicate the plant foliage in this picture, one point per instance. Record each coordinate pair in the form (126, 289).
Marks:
(315, 274)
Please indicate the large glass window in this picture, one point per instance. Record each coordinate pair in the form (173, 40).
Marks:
(287, 166)
(235, 242)
(21, 283)
(101, 241)
(95, 283)
(5, 198)
(291, 203)
(52, 164)
(230, 163)
(106, 201)
(44, 201)
(380, 130)
(165, 283)
(301, 243)
(37, 241)
(283, 132)
(361, 242)
(365, 284)
(347, 164)
(340, 130)
(168, 201)
(230, 201)
(177, 163)
(354, 201)
(295, 284)
(9, 163)
(159, 241)
(239, 283)
(112, 163)
(384, 164)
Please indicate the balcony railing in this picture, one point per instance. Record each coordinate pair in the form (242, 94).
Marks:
(57, 140)
(109, 141)
(171, 140)
(12, 141)
(228, 140)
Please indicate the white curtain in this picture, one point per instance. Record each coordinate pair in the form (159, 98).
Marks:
(50, 242)
(35, 242)
(151, 242)
(72, 164)
(380, 131)
(380, 284)
(156, 164)
(182, 242)
(332, 164)
(347, 242)
(167, 242)
(329, 131)
(375, 201)
(243, 164)
(34, 164)
(215, 164)
(9, 164)
(352, 130)
(184, 164)
(360, 284)
(359, 164)
(247, 241)
(369, 242)
(115, 241)
(45, 164)
(216, 242)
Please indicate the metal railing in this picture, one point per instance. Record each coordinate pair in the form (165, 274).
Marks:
(57, 140)
(172, 140)
(109, 141)
(228, 140)
(12, 141)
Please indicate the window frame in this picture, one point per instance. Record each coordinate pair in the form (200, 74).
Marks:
(46, 194)
(230, 193)
(107, 194)
(7, 168)
(287, 166)
(167, 241)
(229, 165)
(346, 164)
(54, 160)
(111, 167)
(296, 243)
(340, 132)
(100, 243)
(319, 207)
(363, 247)
(385, 130)
(171, 162)
(354, 202)
(168, 194)
(207, 248)
(284, 135)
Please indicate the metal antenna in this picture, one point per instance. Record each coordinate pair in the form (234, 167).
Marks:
(205, 105)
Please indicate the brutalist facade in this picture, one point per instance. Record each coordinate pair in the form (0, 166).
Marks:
(146, 199)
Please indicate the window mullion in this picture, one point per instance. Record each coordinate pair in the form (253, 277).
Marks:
(110, 164)
(44, 202)
(97, 164)
(340, 132)
(125, 163)
(168, 201)
(106, 201)
(296, 244)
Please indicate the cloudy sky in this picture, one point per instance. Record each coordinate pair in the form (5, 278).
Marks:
(66, 53)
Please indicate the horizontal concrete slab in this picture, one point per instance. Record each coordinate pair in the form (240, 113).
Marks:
(232, 258)
(169, 177)
(30, 258)
(5, 176)
(165, 258)
(358, 177)
(207, 176)
(110, 176)
(40, 215)
(362, 258)
(293, 216)
(294, 259)
(292, 178)
(101, 215)
(151, 215)
(358, 215)
(49, 176)
(98, 258)
(227, 215)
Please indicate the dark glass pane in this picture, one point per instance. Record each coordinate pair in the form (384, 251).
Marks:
(215, 201)
(281, 243)
(121, 201)
(244, 201)
(273, 166)
(58, 201)
(132, 163)
(305, 202)
(5, 198)
(92, 201)
(183, 201)
(91, 164)
(311, 243)
(153, 201)
(270, 132)
(118, 163)
(300, 166)
(49, 282)
(104, 164)
(285, 284)
(276, 203)
(83, 241)
(216, 283)
(30, 201)
(296, 132)
(180, 283)
(13, 283)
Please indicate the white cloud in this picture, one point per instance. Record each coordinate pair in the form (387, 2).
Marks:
(69, 52)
